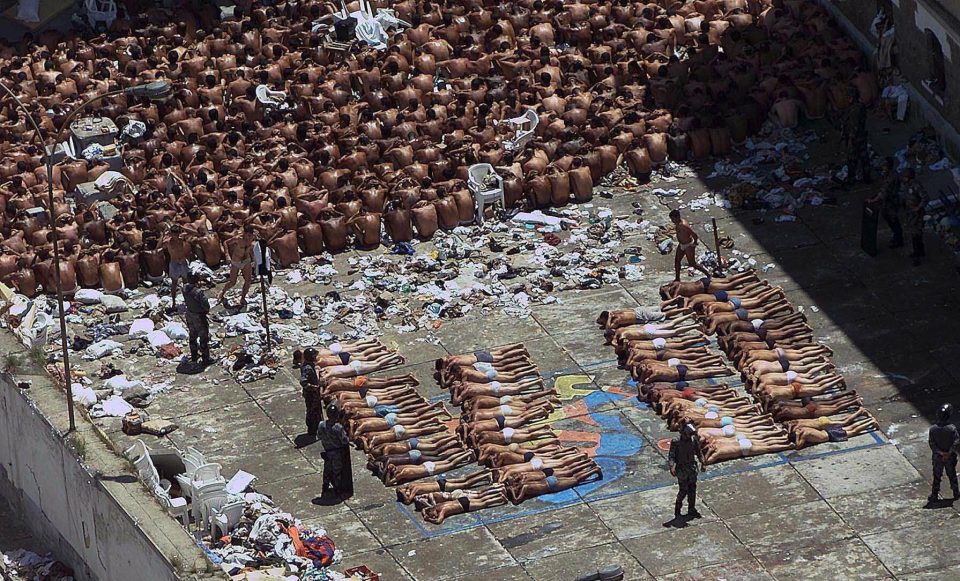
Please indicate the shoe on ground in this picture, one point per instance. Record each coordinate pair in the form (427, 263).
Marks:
(694, 513)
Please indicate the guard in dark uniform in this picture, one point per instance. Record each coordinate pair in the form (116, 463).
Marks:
(915, 203)
(198, 306)
(337, 470)
(888, 200)
(858, 156)
(943, 443)
(310, 389)
(686, 461)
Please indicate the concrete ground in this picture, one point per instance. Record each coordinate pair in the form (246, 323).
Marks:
(845, 511)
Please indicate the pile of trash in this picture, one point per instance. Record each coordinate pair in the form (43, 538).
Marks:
(23, 565)
(270, 540)
(774, 174)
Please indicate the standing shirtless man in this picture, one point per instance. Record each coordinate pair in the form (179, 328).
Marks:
(686, 244)
(238, 249)
(178, 246)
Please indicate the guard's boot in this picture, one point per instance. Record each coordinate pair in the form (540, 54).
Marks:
(677, 508)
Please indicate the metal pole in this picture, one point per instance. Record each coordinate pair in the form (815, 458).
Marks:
(51, 202)
(266, 315)
(716, 243)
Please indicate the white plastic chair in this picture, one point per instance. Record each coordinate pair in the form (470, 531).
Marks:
(104, 11)
(177, 507)
(140, 455)
(185, 480)
(226, 518)
(526, 127)
(196, 455)
(485, 192)
(269, 98)
(205, 501)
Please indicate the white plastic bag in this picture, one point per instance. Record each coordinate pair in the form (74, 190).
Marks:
(101, 349)
(141, 328)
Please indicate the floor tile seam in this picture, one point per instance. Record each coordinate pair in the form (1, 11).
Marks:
(856, 534)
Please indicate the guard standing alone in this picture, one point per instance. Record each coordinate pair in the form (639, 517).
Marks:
(888, 199)
(915, 201)
(686, 461)
(943, 443)
(198, 306)
(337, 470)
(310, 389)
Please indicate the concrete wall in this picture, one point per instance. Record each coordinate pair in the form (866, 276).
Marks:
(66, 508)
(912, 19)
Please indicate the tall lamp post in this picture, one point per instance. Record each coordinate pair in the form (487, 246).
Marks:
(153, 90)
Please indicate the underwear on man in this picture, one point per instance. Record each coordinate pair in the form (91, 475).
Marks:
(721, 296)
(782, 358)
(360, 381)
(728, 430)
(659, 343)
(757, 323)
(501, 421)
(399, 431)
(504, 399)
(430, 466)
(508, 434)
(356, 366)
(414, 455)
(742, 314)
(413, 443)
(344, 358)
(483, 356)
(495, 386)
(682, 372)
(737, 303)
(745, 445)
(442, 483)
(673, 362)
(335, 348)
(836, 434)
(384, 410)
(371, 400)
(650, 329)
(464, 503)
(536, 463)
(491, 374)
(391, 419)
(363, 391)
(705, 281)
(552, 483)
(506, 410)
(528, 456)
(791, 376)
(726, 421)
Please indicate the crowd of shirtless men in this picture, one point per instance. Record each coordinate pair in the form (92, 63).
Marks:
(411, 443)
(796, 396)
(366, 137)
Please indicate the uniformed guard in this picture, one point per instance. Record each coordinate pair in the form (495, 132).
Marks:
(915, 203)
(686, 461)
(198, 306)
(943, 443)
(337, 470)
(888, 201)
(310, 389)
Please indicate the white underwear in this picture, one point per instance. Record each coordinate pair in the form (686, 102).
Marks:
(791, 375)
(491, 373)
(711, 415)
(757, 323)
(399, 431)
(745, 444)
(700, 403)
(536, 463)
(659, 343)
(505, 398)
(371, 401)
(728, 430)
(356, 366)
(495, 386)
(483, 366)
(650, 329)
(415, 454)
(506, 410)
(673, 362)
(430, 466)
(335, 348)
(508, 434)
(391, 419)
